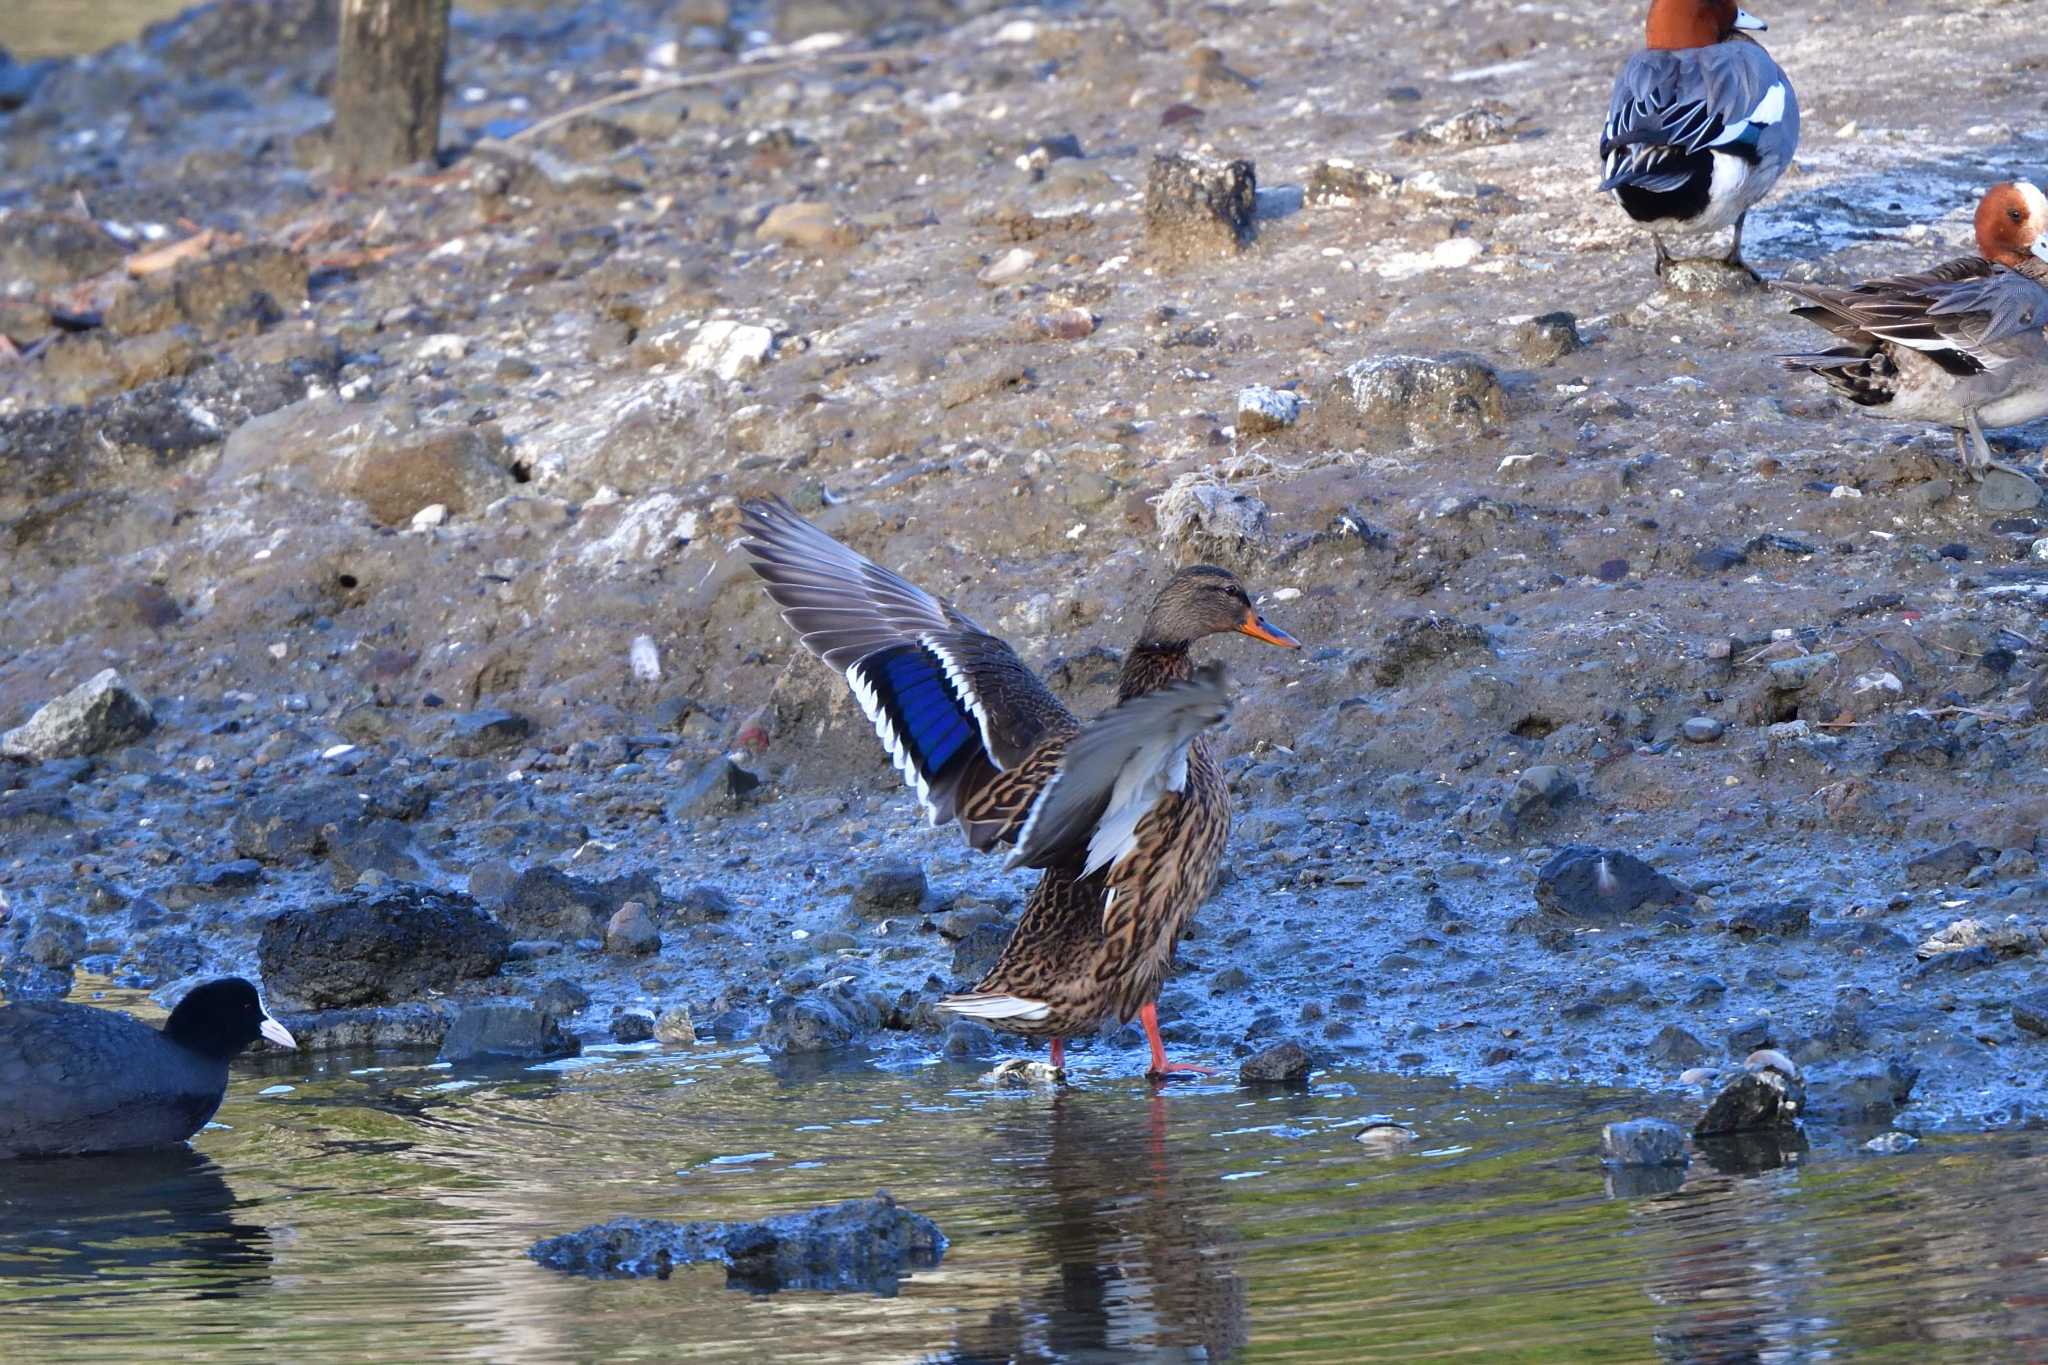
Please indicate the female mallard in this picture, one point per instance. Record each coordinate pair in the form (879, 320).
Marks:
(1126, 816)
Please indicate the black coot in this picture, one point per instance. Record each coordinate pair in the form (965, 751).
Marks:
(78, 1079)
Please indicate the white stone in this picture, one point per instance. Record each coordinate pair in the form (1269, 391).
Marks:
(729, 349)
(1011, 265)
(442, 346)
(1267, 408)
(645, 659)
(433, 514)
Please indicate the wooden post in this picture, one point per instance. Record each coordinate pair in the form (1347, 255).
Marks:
(387, 87)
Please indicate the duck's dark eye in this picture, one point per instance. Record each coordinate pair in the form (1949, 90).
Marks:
(2015, 215)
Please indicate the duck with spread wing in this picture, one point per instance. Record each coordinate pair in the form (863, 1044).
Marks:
(1124, 817)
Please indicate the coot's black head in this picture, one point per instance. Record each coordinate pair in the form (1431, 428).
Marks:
(221, 1018)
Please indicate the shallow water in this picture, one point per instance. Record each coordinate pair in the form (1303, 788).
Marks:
(382, 1208)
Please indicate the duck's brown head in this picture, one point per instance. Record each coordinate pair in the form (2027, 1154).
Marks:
(1203, 600)
(2012, 224)
(1675, 24)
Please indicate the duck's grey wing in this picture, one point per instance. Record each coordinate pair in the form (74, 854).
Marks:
(1976, 315)
(1114, 771)
(952, 704)
(1961, 315)
(1668, 106)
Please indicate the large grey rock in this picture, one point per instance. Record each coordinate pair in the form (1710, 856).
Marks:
(368, 950)
(99, 714)
(1604, 885)
(862, 1244)
(1427, 398)
(547, 902)
(1643, 1142)
(505, 1028)
(1762, 1097)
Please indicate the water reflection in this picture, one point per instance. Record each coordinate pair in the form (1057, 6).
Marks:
(1138, 1264)
(89, 1225)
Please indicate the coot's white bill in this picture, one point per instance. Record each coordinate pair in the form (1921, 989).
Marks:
(277, 1033)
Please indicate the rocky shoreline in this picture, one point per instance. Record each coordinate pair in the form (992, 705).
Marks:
(1655, 711)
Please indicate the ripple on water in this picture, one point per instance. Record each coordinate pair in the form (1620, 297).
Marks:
(386, 1209)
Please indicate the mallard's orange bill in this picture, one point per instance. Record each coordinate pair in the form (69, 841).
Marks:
(1258, 628)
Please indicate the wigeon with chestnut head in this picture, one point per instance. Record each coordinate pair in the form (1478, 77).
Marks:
(1701, 125)
(1961, 346)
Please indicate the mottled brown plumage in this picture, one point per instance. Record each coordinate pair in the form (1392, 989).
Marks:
(1126, 817)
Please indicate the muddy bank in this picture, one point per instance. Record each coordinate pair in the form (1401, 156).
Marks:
(406, 509)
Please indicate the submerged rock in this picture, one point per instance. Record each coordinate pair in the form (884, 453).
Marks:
(1767, 1094)
(861, 1245)
(1643, 1142)
(505, 1028)
(1285, 1063)
(1385, 1139)
(420, 1024)
(95, 716)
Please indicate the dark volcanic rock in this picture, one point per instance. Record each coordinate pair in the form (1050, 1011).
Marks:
(1780, 920)
(977, 952)
(1675, 1047)
(481, 733)
(1604, 886)
(632, 1026)
(1286, 1063)
(52, 249)
(1643, 1142)
(505, 1028)
(369, 950)
(1949, 863)
(547, 902)
(833, 1016)
(55, 941)
(1754, 1100)
(2030, 1012)
(21, 979)
(1196, 207)
(354, 847)
(23, 814)
(862, 1244)
(894, 888)
(631, 932)
(233, 293)
(291, 825)
(561, 997)
(1869, 1094)
(703, 904)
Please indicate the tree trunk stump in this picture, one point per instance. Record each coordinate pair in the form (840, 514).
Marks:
(387, 87)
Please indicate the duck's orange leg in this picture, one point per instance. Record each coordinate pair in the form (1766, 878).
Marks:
(1059, 1054)
(1161, 1068)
